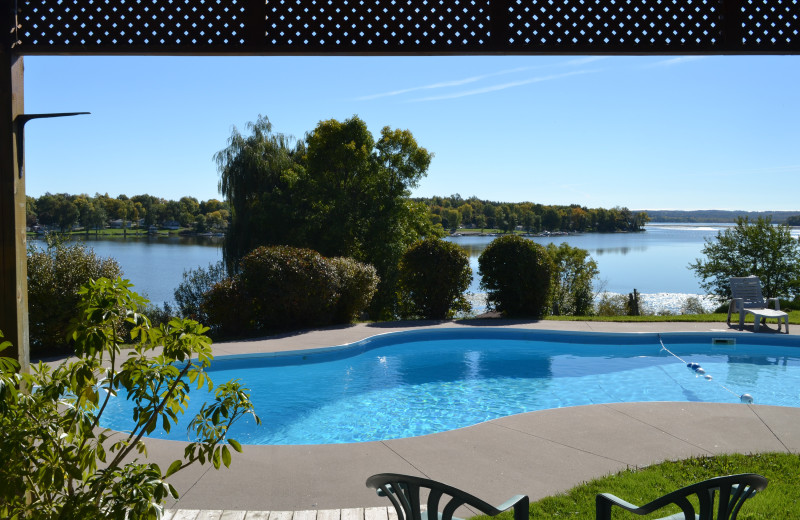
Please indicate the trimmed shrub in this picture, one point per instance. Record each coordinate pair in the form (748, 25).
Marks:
(358, 283)
(54, 276)
(227, 308)
(516, 275)
(282, 288)
(289, 287)
(434, 275)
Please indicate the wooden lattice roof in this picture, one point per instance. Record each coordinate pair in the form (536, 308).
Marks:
(406, 27)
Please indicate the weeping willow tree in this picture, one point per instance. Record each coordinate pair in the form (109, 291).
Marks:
(259, 174)
(340, 192)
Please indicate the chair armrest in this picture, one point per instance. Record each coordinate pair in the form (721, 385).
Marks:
(735, 305)
(520, 504)
(511, 502)
(777, 303)
(604, 501)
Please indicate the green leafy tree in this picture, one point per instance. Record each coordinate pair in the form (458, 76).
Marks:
(434, 275)
(148, 211)
(55, 274)
(200, 223)
(96, 217)
(194, 284)
(57, 210)
(751, 248)
(261, 176)
(516, 274)
(59, 463)
(551, 219)
(340, 192)
(31, 218)
(217, 219)
(574, 272)
(365, 187)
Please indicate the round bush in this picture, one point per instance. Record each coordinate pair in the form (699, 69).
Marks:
(284, 288)
(516, 275)
(357, 283)
(289, 287)
(434, 274)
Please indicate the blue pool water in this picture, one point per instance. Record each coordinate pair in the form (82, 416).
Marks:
(420, 382)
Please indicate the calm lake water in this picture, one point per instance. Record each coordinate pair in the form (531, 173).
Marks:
(155, 265)
(654, 261)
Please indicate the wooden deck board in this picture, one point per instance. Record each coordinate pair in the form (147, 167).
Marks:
(369, 513)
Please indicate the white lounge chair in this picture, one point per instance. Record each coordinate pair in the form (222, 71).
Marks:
(746, 298)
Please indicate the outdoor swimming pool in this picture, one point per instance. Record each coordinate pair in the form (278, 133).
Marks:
(414, 383)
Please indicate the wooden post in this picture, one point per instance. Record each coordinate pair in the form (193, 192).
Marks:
(13, 255)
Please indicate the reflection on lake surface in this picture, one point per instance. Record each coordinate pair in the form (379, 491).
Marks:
(653, 261)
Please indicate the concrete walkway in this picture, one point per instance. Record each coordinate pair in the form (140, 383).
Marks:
(538, 454)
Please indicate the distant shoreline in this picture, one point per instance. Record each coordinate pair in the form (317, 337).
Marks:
(713, 216)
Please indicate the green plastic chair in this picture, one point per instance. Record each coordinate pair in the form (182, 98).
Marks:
(732, 491)
(405, 492)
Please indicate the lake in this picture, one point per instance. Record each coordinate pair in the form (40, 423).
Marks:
(654, 262)
(155, 265)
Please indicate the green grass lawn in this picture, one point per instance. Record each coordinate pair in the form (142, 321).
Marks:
(781, 499)
(116, 232)
(794, 317)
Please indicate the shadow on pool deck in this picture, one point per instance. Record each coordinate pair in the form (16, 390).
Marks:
(537, 453)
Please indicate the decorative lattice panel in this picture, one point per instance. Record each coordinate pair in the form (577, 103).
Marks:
(771, 23)
(615, 23)
(403, 26)
(358, 24)
(120, 24)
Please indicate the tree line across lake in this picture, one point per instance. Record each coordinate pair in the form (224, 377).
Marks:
(65, 212)
(455, 212)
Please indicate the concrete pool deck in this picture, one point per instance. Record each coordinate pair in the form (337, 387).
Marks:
(538, 453)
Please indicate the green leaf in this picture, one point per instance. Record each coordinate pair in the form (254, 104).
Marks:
(235, 444)
(226, 456)
(175, 466)
(215, 460)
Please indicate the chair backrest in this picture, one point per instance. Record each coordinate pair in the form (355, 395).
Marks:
(407, 493)
(730, 491)
(719, 498)
(748, 289)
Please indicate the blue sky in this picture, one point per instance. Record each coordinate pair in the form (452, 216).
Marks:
(642, 132)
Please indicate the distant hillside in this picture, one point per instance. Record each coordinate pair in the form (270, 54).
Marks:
(717, 216)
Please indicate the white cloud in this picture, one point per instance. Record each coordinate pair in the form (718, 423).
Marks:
(445, 84)
(502, 86)
(680, 60)
(474, 79)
